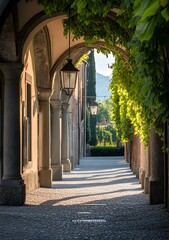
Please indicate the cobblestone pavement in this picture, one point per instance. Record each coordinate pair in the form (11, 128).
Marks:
(100, 200)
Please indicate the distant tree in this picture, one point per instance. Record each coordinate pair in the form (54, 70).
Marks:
(104, 111)
(107, 134)
(99, 133)
(91, 78)
(91, 94)
(104, 135)
(107, 137)
(93, 140)
(112, 130)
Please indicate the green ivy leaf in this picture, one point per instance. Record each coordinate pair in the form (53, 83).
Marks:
(145, 30)
(163, 2)
(151, 10)
(165, 14)
(140, 7)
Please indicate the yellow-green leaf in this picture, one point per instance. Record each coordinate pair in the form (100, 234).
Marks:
(163, 3)
(151, 10)
(145, 30)
(165, 14)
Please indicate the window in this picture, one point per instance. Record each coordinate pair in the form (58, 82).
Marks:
(29, 118)
(27, 121)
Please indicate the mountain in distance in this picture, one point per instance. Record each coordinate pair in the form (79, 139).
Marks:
(102, 85)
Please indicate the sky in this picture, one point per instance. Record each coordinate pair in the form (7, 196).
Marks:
(102, 62)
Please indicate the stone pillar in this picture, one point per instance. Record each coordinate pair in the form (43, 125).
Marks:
(156, 181)
(12, 188)
(147, 170)
(143, 159)
(70, 142)
(56, 141)
(45, 171)
(64, 143)
(141, 176)
(166, 167)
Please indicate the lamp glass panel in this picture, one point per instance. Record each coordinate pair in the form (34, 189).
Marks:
(62, 79)
(93, 110)
(66, 80)
(73, 76)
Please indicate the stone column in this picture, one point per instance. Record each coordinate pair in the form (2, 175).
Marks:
(12, 189)
(45, 172)
(147, 170)
(166, 167)
(70, 133)
(142, 167)
(156, 181)
(56, 141)
(64, 143)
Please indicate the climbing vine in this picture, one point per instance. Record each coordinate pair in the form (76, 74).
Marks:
(140, 86)
(120, 99)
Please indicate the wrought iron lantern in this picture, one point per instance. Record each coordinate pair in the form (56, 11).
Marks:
(93, 108)
(69, 72)
(69, 77)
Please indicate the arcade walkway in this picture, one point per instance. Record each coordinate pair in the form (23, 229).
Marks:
(100, 200)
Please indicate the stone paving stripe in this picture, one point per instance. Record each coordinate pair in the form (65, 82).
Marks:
(84, 212)
(88, 221)
(94, 204)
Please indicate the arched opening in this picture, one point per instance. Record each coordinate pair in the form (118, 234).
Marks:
(43, 48)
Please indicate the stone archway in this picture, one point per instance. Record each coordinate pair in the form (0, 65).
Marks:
(42, 51)
(7, 41)
(37, 41)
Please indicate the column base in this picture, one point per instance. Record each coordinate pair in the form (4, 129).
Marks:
(146, 185)
(66, 166)
(156, 194)
(45, 178)
(12, 192)
(57, 172)
(72, 163)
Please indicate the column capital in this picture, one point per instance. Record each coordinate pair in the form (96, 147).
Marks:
(56, 104)
(11, 71)
(44, 94)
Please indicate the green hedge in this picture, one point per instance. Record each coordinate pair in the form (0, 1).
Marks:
(106, 151)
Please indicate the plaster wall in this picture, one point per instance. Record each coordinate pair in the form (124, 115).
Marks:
(59, 42)
(26, 10)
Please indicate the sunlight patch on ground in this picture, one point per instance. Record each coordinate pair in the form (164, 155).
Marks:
(92, 183)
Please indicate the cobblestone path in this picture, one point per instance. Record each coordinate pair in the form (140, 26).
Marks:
(100, 200)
